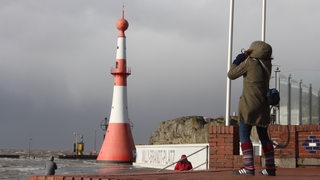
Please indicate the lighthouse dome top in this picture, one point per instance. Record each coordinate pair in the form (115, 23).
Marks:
(122, 24)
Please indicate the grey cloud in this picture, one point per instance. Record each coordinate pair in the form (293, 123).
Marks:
(56, 56)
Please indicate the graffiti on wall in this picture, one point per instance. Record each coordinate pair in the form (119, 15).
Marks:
(312, 144)
(159, 156)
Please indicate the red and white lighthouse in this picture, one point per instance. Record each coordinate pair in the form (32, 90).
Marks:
(118, 145)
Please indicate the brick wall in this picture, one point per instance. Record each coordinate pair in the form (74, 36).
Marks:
(224, 144)
(302, 141)
(286, 137)
(308, 141)
(297, 146)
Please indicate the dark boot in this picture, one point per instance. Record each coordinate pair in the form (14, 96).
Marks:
(270, 169)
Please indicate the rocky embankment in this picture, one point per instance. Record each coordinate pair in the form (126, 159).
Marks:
(185, 130)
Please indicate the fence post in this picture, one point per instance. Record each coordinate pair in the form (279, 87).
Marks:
(300, 104)
(310, 104)
(277, 86)
(289, 101)
(319, 106)
(207, 159)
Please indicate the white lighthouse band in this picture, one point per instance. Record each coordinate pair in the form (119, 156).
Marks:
(121, 48)
(119, 109)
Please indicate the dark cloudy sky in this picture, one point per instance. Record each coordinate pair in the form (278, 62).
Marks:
(56, 56)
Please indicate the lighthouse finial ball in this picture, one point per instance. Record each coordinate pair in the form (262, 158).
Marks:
(122, 24)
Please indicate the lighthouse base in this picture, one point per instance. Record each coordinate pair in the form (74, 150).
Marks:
(115, 162)
(118, 145)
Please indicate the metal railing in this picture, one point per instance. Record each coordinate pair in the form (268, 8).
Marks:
(206, 162)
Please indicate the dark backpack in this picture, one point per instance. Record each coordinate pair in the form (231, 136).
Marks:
(273, 96)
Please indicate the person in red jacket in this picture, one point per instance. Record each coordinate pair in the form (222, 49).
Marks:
(183, 164)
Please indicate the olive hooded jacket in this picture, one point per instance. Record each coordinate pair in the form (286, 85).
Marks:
(253, 105)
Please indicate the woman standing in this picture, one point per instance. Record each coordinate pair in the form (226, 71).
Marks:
(253, 107)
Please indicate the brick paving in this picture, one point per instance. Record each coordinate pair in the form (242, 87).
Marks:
(226, 174)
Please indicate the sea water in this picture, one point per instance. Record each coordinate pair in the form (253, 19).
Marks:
(22, 168)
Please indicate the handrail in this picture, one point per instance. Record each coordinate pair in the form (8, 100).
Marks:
(206, 147)
(199, 165)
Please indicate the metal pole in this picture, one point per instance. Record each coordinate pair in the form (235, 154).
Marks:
(289, 101)
(95, 141)
(263, 20)
(277, 86)
(76, 140)
(319, 106)
(29, 147)
(228, 90)
(310, 104)
(207, 158)
(300, 104)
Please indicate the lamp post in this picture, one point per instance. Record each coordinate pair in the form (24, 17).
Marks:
(75, 145)
(95, 141)
(277, 86)
(29, 147)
